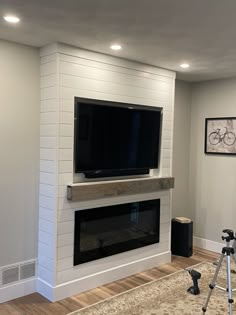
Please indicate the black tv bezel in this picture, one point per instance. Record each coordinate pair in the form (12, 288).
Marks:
(113, 172)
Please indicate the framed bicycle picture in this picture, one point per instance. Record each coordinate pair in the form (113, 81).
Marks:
(220, 135)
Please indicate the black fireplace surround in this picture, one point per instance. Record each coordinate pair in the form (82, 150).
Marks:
(102, 232)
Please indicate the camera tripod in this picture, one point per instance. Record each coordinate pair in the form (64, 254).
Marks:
(228, 252)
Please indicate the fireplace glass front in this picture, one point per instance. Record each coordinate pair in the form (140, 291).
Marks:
(106, 231)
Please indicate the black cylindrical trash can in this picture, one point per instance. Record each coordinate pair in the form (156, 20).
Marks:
(182, 237)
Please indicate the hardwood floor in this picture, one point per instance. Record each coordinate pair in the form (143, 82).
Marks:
(35, 304)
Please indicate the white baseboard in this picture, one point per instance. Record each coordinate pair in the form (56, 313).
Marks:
(92, 281)
(18, 289)
(207, 244)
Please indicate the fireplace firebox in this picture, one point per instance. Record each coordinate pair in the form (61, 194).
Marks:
(110, 230)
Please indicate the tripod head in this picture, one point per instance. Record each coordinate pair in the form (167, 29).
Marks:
(230, 235)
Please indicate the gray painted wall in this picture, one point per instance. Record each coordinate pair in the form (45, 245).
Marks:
(19, 138)
(181, 149)
(212, 179)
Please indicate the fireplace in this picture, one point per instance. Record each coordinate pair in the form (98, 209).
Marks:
(58, 277)
(110, 230)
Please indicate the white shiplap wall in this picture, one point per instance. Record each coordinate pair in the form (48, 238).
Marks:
(67, 72)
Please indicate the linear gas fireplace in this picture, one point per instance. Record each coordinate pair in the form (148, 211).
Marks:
(106, 231)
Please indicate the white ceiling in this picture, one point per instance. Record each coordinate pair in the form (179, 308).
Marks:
(164, 33)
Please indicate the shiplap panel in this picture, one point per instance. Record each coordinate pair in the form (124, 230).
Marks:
(47, 154)
(48, 58)
(66, 117)
(65, 178)
(48, 80)
(66, 130)
(106, 59)
(47, 203)
(117, 77)
(65, 166)
(65, 215)
(67, 106)
(164, 228)
(74, 83)
(48, 190)
(66, 233)
(166, 163)
(62, 191)
(165, 200)
(48, 166)
(109, 262)
(64, 263)
(70, 93)
(65, 251)
(48, 68)
(96, 65)
(66, 155)
(46, 262)
(48, 248)
(47, 178)
(46, 213)
(49, 130)
(65, 239)
(45, 274)
(49, 134)
(165, 217)
(51, 105)
(166, 144)
(64, 204)
(48, 93)
(44, 237)
(167, 135)
(48, 142)
(66, 142)
(65, 227)
(47, 226)
(165, 209)
(49, 118)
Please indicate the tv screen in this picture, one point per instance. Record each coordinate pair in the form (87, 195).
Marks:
(115, 138)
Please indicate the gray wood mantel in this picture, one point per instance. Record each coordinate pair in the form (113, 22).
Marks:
(97, 190)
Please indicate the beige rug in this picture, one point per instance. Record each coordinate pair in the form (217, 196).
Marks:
(167, 296)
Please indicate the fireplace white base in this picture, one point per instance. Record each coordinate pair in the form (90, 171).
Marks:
(97, 279)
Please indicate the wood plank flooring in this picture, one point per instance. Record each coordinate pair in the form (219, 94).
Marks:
(35, 304)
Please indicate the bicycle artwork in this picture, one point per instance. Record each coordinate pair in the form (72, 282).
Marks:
(220, 135)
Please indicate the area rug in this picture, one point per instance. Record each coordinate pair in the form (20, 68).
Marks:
(168, 295)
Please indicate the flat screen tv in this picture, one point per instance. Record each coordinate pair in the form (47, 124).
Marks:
(115, 139)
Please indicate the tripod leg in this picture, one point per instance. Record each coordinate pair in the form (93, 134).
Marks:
(234, 258)
(229, 288)
(234, 254)
(234, 247)
(212, 284)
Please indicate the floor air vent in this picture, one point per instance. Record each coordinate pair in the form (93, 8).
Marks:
(22, 271)
(27, 270)
(10, 275)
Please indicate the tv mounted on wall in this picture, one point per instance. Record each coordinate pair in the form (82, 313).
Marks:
(115, 139)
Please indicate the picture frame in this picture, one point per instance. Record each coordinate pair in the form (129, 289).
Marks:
(220, 135)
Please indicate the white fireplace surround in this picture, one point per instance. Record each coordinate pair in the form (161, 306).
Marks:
(68, 72)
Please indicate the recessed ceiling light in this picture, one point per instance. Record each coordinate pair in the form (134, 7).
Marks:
(116, 47)
(11, 19)
(184, 65)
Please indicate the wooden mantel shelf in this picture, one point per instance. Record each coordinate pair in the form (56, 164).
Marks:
(116, 188)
